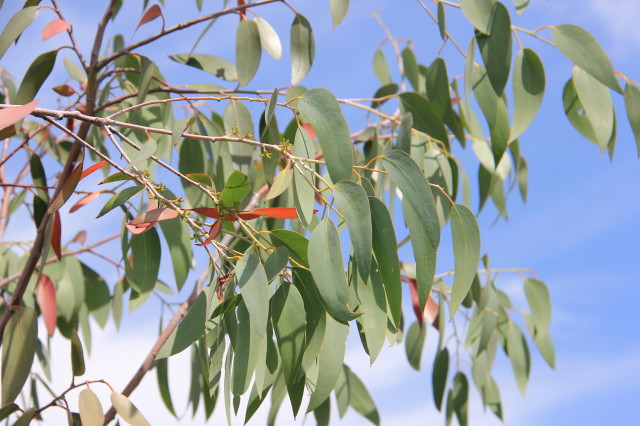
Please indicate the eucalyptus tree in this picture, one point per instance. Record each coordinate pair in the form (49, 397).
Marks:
(263, 183)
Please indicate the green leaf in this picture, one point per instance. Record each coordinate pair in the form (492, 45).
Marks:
(269, 38)
(581, 48)
(338, 9)
(246, 348)
(237, 118)
(414, 343)
(425, 119)
(35, 76)
(190, 329)
(539, 302)
(494, 109)
(254, 286)
(460, 398)
(162, 370)
(439, 376)
(384, 248)
(598, 106)
(380, 67)
(16, 26)
(353, 204)
(77, 354)
(276, 262)
(545, 345)
(142, 274)
(176, 233)
(466, 252)
(521, 5)
(235, 189)
(410, 66)
(295, 243)
(74, 71)
(147, 150)
(218, 67)
(518, 354)
(119, 176)
(303, 194)
(303, 48)
(119, 199)
(280, 183)
(478, 12)
(632, 104)
(271, 107)
(288, 315)
(26, 417)
(248, 50)
(147, 69)
(575, 112)
(360, 399)
(227, 305)
(7, 409)
(96, 296)
(90, 408)
(127, 410)
(442, 20)
(330, 361)
(327, 268)
(18, 351)
(528, 90)
(374, 307)
(320, 108)
(496, 49)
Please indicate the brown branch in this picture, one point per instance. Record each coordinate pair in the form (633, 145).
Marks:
(72, 38)
(179, 27)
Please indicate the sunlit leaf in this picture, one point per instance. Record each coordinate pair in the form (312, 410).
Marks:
(338, 9)
(218, 67)
(10, 116)
(127, 410)
(74, 71)
(466, 251)
(235, 189)
(154, 12)
(632, 103)
(190, 329)
(598, 106)
(54, 27)
(280, 183)
(360, 399)
(142, 274)
(16, 25)
(77, 354)
(269, 38)
(303, 48)
(539, 302)
(248, 50)
(380, 67)
(414, 343)
(478, 12)
(46, 296)
(528, 90)
(253, 284)
(90, 408)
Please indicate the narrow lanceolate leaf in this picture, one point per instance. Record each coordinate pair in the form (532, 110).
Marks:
(143, 272)
(90, 408)
(466, 253)
(218, 67)
(425, 118)
(248, 50)
(15, 26)
(353, 204)
(460, 398)
(521, 5)
(385, 250)
(119, 199)
(280, 183)
(380, 67)
(439, 376)
(146, 151)
(54, 27)
(67, 190)
(320, 108)
(74, 71)
(478, 12)
(246, 348)
(496, 48)
(46, 296)
(632, 104)
(86, 172)
(155, 215)
(414, 343)
(56, 235)
(518, 352)
(235, 189)
(303, 192)
(360, 399)
(598, 106)
(162, 370)
(18, 351)
(10, 116)
(77, 354)
(269, 38)
(190, 329)
(127, 410)
(330, 361)
(528, 90)
(303, 48)
(540, 304)
(35, 76)
(327, 268)
(288, 312)
(178, 239)
(581, 48)
(254, 287)
(339, 9)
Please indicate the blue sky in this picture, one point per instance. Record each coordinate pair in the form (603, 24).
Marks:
(578, 230)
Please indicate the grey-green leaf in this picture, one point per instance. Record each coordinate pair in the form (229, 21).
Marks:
(142, 274)
(581, 48)
(119, 199)
(18, 351)
(248, 50)
(16, 26)
(338, 9)
(35, 76)
(77, 354)
(320, 108)
(528, 90)
(190, 329)
(327, 268)
(496, 49)
(74, 71)
(632, 104)
(147, 150)
(466, 251)
(218, 67)
(414, 343)
(90, 408)
(439, 376)
(303, 48)
(127, 410)
(253, 284)
(425, 118)
(598, 106)
(518, 354)
(380, 67)
(539, 302)
(360, 399)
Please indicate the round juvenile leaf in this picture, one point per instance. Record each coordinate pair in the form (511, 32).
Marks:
(248, 50)
(269, 38)
(127, 410)
(598, 106)
(581, 48)
(18, 350)
(303, 48)
(528, 90)
(91, 412)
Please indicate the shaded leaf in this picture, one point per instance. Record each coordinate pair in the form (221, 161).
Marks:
(632, 104)
(68, 187)
(425, 118)
(414, 343)
(16, 25)
(466, 251)
(18, 350)
(302, 48)
(35, 76)
(518, 354)
(496, 49)
(119, 199)
(84, 201)
(360, 399)
(295, 243)
(142, 274)
(235, 189)
(439, 376)
(460, 398)
(380, 67)
(410, 66)
(252, 280)
(56, 235)
(77, 354)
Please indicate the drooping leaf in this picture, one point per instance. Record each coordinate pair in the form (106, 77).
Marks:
(54, 27)
(425, 118)
(177, 235)
(190, 329)
(581, 48)
(460, 398)
(478, 12)
(35, 76)
(269, 38)
(414, 343)
(7, 409)
(68, 187)
(246, 348)
(26, 417)
(303, 192)
(326, 264)
(235, 189)
(86, 172)
(303, 48)
(442, 21)
(238, 120)
(90, 408)
(439, 376)
(18, 350)
(494, 109)
(496, 48)
(16, 25)
(248, 50)
(466, 251)
(353, 204)
(46, 296)
(410, 66)
(528, 90)
(295, 243)
(598, 106)
(142, 274)
(321, 109)
(56, 235)
(253, 284)
(77, 354)
(218, 67)
(148, 149)
(360, 399)
(574, 110)
(125, 409)
(338, 9)
(539, 302)
(632, 104)
(518, 352)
